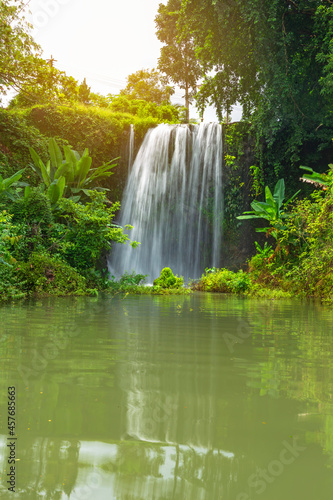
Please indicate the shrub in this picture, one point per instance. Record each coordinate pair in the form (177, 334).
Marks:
(10, 286)
(35, 208)
(9, 237)
(16, 137)
(168, 280)
(223, 281)
(259, 291)
(44, 274)
(89, 231)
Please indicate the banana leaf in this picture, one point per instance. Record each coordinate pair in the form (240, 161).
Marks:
(243, 217)
(55, 154)
(269, 197)
(83, 167)
(314, 176)
(6, 183)
(40, 167)
(70, 157)
(27, 191)
(56, 190)
(279, 193)
(66, 171)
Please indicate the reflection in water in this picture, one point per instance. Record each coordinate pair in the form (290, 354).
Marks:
(201, 397)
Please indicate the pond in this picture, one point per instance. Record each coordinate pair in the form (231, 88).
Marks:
(204, 397)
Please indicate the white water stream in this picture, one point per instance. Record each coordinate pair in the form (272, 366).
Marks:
(173, 198)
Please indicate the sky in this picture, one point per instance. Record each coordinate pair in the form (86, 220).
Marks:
(101, 40)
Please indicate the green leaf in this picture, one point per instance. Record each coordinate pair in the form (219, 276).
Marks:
(53, 192)
(314, 176)
(291, 199)
(76, 199)
(56, 190)
(83, 167)
(101, 172)
(14, 178)
(48, 168)
(260, 207)
(269, 197)
(279, 193)
(45, 174)
(243, 217)
(36, 158)
(61, 185)
(70, 156)
(27, 191)
(66, 171)
(55, 154)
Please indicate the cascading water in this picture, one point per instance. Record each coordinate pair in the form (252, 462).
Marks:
(173, 198)
(130, 149)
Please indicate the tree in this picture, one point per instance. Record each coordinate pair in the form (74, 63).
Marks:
(18, 51)
(275, 57)
(177, 60)
(149, 86)
(84, 92)
(50, 86)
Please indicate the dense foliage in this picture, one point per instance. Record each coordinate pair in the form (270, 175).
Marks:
(223, 281)
(149, 86)
(177, 59)
(275, 58)
(19, 61)
(301, 261)
(55, 250)
(104, 131)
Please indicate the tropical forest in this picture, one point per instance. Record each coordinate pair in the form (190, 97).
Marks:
(166, 250)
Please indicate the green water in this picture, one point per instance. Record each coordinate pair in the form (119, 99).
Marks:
(203, 397)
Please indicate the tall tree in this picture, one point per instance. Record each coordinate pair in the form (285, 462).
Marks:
(148, 85)
(49, 86)
(177, 60)
(18, 51)
(275, 57)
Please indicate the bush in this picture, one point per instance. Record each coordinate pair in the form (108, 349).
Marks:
(33, 209)
(302, 261)
(9, 237)
(168, 280)
(46, 275)
(259, 291)
(15, 138)
(10, 286)
(88, 233)
(223, 281)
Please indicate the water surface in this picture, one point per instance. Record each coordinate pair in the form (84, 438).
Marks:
(204, 397)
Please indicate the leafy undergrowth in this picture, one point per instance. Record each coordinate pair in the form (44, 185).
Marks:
(302, 262)
(240, 282)
(223, 281)
(133, 283)
(46, 275)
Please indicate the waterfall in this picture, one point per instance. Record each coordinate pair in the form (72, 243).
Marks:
(173, 198)
(130, 149)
